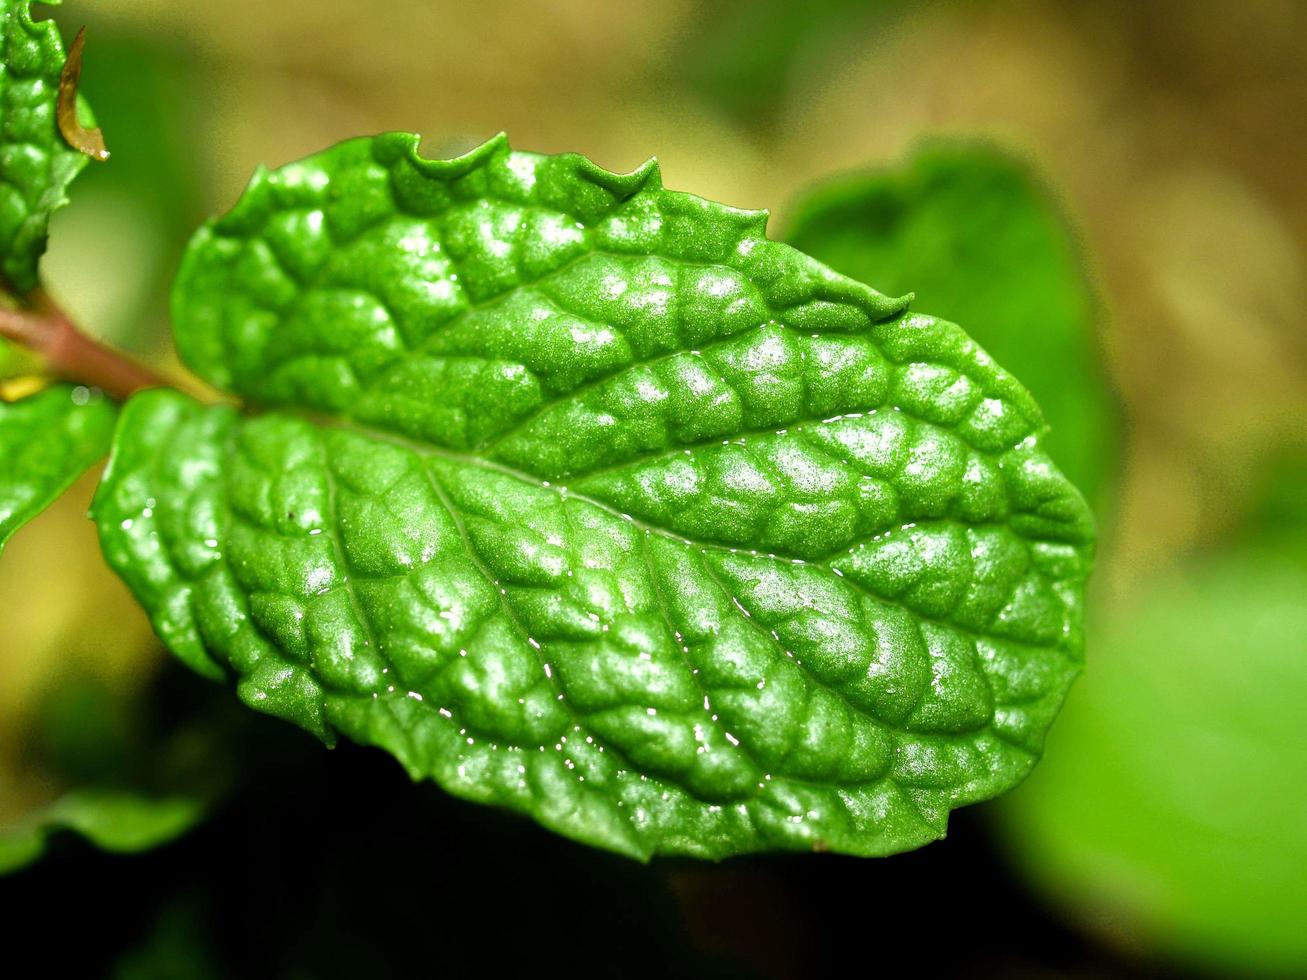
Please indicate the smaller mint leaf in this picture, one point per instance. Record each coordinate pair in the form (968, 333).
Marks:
(36, 162)
(46, 442)
(112, 820)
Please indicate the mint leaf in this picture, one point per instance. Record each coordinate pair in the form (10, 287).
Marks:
(1172, 791)
(972, 233)
(113, 821)
(36, 163)
(46, 442)
(582, 497)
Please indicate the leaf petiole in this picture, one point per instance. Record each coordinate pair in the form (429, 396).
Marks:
(47, 330)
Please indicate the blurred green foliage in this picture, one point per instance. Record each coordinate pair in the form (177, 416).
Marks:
(130, 775)
(175, 945)
(1279, 499)
(747, 53)
(8, 361)
(1169, 810)
(978, 239)
(115, 821)
(115, 250)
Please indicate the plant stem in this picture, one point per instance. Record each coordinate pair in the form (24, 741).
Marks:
(71, 354)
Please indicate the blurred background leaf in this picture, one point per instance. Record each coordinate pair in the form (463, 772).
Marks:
(971, 232)
(115, 821)
(113, 254)
(126, 771)
(744, 55)
(1169, 811)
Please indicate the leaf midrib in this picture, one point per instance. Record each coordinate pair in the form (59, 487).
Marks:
(579, 720)
(425, 450)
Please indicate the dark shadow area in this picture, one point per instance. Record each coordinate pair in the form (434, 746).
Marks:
(333, 864)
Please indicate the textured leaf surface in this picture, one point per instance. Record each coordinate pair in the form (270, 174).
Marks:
(46, 442)
(1172, 793)
(112, 821)
(583, 498)
(36, 164)
(973, 235)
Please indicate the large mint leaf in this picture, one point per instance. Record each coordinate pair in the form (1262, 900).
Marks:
(586, 499)
(36, 163)
(46, 442)
(972, 233)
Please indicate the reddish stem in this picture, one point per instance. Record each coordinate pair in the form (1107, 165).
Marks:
(73, 355)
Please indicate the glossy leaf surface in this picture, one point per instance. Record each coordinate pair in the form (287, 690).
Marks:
(46, 442)
(36, 163)
(970, 231)
(582, 497)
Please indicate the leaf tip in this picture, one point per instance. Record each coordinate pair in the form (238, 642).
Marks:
(454, 166)
(648, 175)
(756, 221)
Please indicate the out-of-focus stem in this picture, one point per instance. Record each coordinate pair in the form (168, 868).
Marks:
(70, 353)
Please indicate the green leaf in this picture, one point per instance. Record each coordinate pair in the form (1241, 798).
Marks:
(1172, 793)
(971, 232)
(36, 163)
(46, 442)
(123, 822)
(133, 770)
(582, 497)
